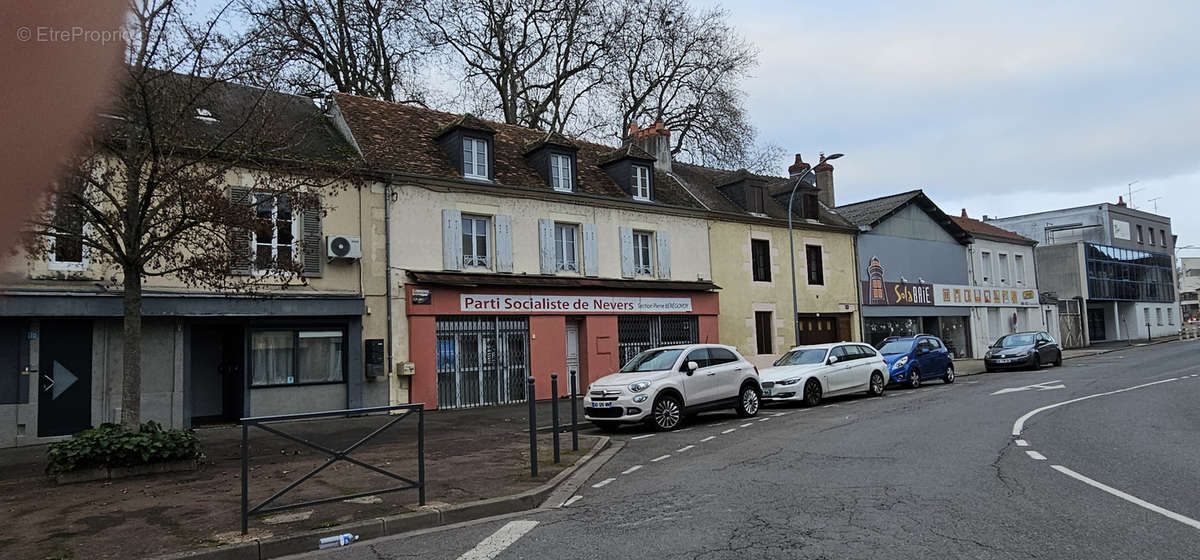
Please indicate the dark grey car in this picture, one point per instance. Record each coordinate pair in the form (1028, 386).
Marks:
(1023, 350)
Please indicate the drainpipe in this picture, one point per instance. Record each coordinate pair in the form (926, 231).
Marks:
(387, 262)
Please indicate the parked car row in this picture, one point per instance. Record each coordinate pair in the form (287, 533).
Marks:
(662, 386)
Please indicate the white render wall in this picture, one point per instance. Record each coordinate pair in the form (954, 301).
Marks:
(990, 323)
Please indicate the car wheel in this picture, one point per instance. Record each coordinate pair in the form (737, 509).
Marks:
(748, 402)
(914, 378)
(812, 392)
(876, 387)
(606, 426)
(1035, 362)
(1058, 361)
(667, 413)
(949, 377)
(989, 369)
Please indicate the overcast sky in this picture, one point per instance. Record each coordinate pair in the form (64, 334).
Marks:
(1001, 108)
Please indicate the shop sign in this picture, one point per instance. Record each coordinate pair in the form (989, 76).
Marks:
(897, 293)
(951, 295)
(499, 303)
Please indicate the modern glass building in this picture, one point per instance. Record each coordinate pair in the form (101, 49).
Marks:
(1120, 274)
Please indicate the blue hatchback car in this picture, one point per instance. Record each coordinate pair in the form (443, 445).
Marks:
(913, 359)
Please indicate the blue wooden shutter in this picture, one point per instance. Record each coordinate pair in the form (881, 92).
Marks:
(546, 244)
(504, 248)
(451, 240)
(626, 252)
(591, 251)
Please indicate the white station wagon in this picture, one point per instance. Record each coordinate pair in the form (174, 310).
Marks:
(808, 373)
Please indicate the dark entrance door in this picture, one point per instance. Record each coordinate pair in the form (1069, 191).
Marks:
(819, 330)
(13, 388)
(216, 372)
(64, 378)
(1095, 318)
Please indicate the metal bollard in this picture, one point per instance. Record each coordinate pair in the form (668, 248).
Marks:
(574, 381)
(554, 412)
(532, 426)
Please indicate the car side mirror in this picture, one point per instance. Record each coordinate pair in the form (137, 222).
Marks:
(692, 367)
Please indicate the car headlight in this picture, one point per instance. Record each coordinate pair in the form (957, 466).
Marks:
(791, 381)
(900, 363)
(640, 398)
(639, 386)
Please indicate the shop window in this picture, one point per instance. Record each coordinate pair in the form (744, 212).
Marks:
(760, 259)
(642, 263)
(816, 268)
(764, 332)
(636, 333)
(566, 255)
(475, 232)
(296, 357)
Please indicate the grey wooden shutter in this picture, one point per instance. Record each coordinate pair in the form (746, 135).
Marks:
(664, 253)
(591, 251)
(238, 239)
(504, 249)
(546, 243)
(626, 252)
(310, 238)
(451, 240)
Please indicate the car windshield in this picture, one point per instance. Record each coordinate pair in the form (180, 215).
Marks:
(803, 356)
(1015, 340)
(652, 360)
(896, 347)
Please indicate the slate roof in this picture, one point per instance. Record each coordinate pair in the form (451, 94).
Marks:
(872, 212)
(402, 138)
(983, 229)
(704, 182)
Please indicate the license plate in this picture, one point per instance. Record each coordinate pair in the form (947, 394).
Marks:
(766, 392)
(602, 404)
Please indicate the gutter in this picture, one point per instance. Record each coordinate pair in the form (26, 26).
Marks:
(387, 263)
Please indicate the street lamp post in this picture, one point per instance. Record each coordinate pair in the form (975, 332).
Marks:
(792, 245)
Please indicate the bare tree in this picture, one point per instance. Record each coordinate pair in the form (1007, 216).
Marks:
(541, 58)
(671, 63)
(364, 47)
(147, 195)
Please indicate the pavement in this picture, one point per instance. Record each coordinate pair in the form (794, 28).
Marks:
(1095, 459)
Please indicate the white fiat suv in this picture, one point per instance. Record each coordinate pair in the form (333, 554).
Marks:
(661, 385)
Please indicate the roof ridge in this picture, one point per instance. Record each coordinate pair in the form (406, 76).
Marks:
(912, 192)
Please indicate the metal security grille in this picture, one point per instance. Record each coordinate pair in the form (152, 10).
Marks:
(481, 360)
(636, 333)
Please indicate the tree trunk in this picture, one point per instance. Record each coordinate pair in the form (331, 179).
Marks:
(131, 352)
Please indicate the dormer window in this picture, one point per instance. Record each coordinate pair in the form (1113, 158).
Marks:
(641, 183)
(560, 172)
(812, 206)
(475, 158)
(755, 199)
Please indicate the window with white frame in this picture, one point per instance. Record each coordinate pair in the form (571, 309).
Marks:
(986, 258)
(1170, 315)
(1019, 263)
(642, 243)
(274, 235)
(1003, 272)
(566, 257)
(475, 232)
(475, 158)
(641, 182)
(67, 250)
(560, 172)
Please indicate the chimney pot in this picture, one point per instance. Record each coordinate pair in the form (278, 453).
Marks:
(656, 140)
(1121, 201)
(798, 168)
(964, 213)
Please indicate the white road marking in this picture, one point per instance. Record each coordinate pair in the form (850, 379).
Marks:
(709, 438)
(746, 425)
(684, 448)
(1129, 498)
(573, 499)
(970, 382)
(1043, 386)
(729, 430)
(631, 469)
(503, 538)
(603, 483)
(764, 419)
(643, 436)
(1019, 425)
(659, 458)
(777, 414)
(1022, 443)
(1035, 455)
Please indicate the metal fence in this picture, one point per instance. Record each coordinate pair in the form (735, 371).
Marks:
(271, 424)
(636, 333)
(481, 360)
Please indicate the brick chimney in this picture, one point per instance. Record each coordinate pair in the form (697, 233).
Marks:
(964, 213)
(1121, 201)
(798, 168)
(656, 140)
(824, 173)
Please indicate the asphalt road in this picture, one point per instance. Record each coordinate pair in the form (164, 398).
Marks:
(935, 472)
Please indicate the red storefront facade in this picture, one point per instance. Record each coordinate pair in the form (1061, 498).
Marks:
(474, 338)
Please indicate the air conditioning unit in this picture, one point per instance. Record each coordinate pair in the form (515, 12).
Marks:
(343, 246)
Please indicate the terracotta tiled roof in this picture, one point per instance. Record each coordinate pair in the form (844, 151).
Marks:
(404, 138)
(982, 229)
